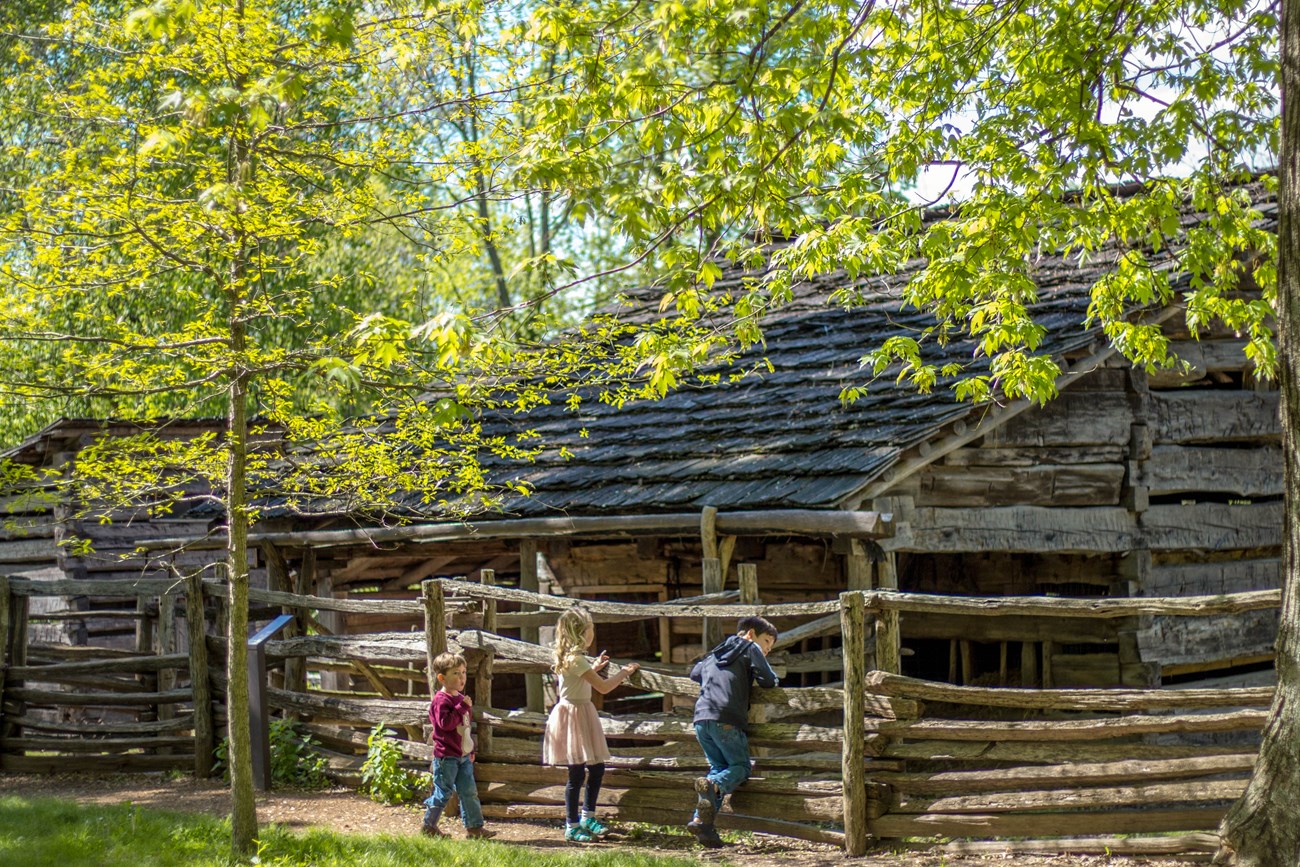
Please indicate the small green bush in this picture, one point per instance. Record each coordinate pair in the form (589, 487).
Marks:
(294, 760)
(383, 778)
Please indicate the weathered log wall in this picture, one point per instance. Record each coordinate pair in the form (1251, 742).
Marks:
(1127, 484)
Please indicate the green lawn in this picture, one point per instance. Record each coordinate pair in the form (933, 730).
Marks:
(43, 832)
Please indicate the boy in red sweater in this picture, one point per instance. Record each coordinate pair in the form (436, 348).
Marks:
(453, 750)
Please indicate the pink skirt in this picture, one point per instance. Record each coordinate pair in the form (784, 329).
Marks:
(574, 736)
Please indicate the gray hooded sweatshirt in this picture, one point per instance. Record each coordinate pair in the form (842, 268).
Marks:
(724, 677)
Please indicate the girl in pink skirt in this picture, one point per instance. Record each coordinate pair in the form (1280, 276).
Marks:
(574, 737)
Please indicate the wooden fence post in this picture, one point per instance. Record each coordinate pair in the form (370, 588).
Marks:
(144, 642)
(888, 648)
(535, 700)
(165, 643)
(17, 646)
(853, 756)
(483, 678)
(196, 631)
(435, 628)
(4, 644)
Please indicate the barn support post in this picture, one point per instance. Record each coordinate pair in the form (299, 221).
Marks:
(857, 566)
(889, 651)
(435, 628)
(710, 573)
(853, 625)
(196, 630)
(748, 575)
(528, 580)
(483, 679)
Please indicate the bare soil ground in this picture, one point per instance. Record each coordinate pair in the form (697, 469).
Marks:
(344, 810)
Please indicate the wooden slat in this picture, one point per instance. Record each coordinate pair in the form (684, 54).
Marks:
(888, 684)
(804, 808)
(57, 698)
(1047, 824)
(1108, 798)
(1176, 844)
(1069, 730)
(1052, 753)
(1032, 777)
(80, 764)
(631, 813)
(181, 723)
(1054, 606)
(635, 611)
(91, 745)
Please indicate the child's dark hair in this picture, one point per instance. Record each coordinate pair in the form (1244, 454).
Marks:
(760, 625)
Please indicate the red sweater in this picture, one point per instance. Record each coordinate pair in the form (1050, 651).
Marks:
(449, 715)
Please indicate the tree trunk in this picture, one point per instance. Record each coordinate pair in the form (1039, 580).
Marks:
(1261, 828)
(243, 819)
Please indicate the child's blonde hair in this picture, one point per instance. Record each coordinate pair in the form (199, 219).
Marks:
(445, 662)
(570, 637)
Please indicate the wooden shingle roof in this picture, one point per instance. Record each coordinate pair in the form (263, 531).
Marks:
(781, 439)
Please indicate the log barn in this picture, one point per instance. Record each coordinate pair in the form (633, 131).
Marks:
(1128, 484)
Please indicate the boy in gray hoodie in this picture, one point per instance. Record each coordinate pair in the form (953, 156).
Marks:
(722, 717)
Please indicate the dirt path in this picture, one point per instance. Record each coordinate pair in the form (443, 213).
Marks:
(345, 810)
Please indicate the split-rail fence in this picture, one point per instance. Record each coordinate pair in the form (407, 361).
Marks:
(876, 755)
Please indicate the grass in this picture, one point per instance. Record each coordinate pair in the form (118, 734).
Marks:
(45, 832)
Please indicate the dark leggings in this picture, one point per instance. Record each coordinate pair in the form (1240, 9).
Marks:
(595, 773)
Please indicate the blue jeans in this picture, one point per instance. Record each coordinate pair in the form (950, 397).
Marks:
(727, 749)
(453, 774)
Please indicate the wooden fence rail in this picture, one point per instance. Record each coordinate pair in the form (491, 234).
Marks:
(877, 755)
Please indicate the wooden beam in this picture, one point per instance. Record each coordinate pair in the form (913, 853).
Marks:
(1215, 416)
(809, 522)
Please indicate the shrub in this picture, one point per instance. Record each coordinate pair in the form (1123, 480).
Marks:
(382, 776)
(294, 760)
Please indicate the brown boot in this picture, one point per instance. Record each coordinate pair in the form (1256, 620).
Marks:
(480, 833)
(431, 831)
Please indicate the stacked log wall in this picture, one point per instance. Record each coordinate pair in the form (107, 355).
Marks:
(1126, 484)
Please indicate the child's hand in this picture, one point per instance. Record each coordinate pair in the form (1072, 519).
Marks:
(601, 661)
(468, 701)
(631, 668)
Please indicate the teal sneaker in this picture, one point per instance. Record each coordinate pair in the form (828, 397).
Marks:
(593, 827)
(576, 834)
